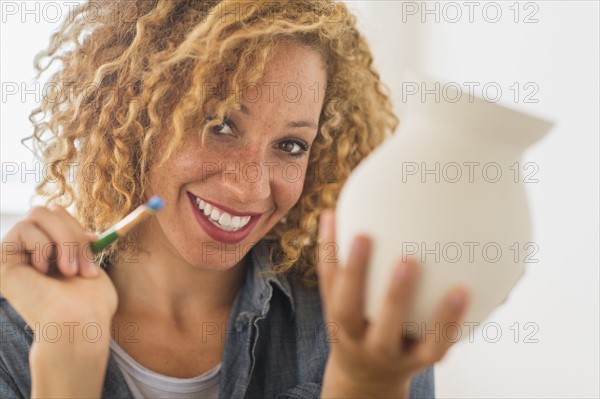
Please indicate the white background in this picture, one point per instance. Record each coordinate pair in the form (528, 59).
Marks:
(557, 52)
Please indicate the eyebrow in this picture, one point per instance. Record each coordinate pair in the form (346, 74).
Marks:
(292, 124)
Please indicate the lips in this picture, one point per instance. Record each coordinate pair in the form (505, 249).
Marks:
(217, 234)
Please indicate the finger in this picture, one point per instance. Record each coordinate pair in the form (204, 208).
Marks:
(35, 246)
(80, 249)
(91, 236)
(385, 335)
(60, 233)
(326, 265)
(347, 306)
(447, 322)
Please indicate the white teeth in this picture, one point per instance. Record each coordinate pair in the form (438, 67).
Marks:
(225, 219)
(221, 218)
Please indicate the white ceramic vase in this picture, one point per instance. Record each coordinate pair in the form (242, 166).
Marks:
(447, 189)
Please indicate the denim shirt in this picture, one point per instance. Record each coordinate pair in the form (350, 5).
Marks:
(276, 343)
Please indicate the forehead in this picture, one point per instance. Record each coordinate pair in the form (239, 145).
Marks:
(294, 61)
(295, 76)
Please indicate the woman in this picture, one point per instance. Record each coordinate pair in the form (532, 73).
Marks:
(247, 118)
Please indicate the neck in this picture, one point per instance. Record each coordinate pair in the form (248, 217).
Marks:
(162, 285)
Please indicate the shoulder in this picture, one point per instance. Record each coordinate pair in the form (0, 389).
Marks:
(15, 341)
(300, 326)
(15, 335)
(301, 305)
(423, 384)
(305, 299)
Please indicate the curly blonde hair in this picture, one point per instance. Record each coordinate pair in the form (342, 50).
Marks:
(147, 68)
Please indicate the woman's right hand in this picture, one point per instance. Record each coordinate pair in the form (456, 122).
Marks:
(79, 289)
(70, 310)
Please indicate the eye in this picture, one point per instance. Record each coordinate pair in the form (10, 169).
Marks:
(294, 148)
(223, 127)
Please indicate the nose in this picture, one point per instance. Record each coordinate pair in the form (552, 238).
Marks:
(247, 178)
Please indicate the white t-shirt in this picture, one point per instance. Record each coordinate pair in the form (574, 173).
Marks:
(145, 383)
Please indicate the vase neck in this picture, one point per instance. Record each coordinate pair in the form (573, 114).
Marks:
(474, 118)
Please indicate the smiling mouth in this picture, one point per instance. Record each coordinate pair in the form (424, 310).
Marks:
(221, 219)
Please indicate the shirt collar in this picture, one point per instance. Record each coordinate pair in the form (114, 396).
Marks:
(260, 279)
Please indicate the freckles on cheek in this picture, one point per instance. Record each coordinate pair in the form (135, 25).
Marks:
(291, 193)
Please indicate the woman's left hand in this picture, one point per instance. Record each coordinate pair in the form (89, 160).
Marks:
(374, 359)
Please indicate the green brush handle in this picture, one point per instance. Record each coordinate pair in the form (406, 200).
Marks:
(104, 241)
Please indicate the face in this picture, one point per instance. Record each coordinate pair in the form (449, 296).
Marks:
(250, 171)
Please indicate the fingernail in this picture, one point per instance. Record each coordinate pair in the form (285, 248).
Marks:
(360, 246)
(457, 300)
(403, 272)
(91, 236)
(324, 226)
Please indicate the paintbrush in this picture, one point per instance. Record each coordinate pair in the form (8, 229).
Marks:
(122, 227)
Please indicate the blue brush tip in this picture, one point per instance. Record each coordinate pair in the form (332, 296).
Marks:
(156, 203)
